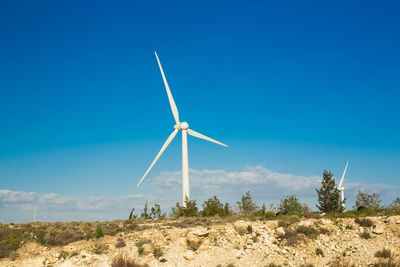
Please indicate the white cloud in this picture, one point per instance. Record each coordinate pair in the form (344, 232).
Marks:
(266, 186)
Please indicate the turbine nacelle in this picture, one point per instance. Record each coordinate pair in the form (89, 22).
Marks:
(181, 126)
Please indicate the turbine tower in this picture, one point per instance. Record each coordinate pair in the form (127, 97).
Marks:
(182, 127)
(340, 187)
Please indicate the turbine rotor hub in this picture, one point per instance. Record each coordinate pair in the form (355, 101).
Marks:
(182, 126)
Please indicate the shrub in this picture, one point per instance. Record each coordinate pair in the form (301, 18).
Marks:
(384, 253)
(365, 235)
(157, 252)
(99, 231)
(349, 227)
(364, 222)
(123, 261)
(120, 243)
(270, 214)
(189, 210)
(246, 204)
(308, 231)
(213, 206)
(319, 252)
(156, 211)
(99, 248)
(291, 205)
(367, 200)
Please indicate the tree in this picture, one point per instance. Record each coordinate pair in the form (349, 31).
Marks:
(190, 210)
(228, 209)
(131, 215)
(212, 207)
(144, 214)
(396, 203)
(367, 200)
(247, 205)
(329, 195)
(292, 205)
(156, 211)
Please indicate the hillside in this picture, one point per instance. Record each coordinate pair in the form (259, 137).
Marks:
(287, 241)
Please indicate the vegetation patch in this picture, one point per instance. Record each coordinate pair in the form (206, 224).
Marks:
(364, 222)
(123, 261)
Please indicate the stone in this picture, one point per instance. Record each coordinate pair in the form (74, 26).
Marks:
(147, 248)
(377, 231)
(230, 234)
(280, 232)
(195, 237)
(241, 226)
(189, 255)
(306, 223)
(272, 224)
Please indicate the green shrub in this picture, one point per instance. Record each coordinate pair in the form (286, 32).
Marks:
(99, 231)
(190, 210)
(365, 235)
(246, 204)
(157, 252)
(291, 205)
(270, 214)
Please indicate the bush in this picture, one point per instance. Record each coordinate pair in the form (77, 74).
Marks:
(157, 252)
(190, 210)
(156, 211)
(367, 200)
(319, 252)
(270, 214)
(99, 248)
(123, 261)
(99, 231)
(246, 204)
(384, 253)
(364, 222)
(212, 207)
(291, 205)
(120, 243)
(365, 235)
(308, 231)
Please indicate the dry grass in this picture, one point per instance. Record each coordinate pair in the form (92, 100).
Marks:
(364, 222)
(123, 261)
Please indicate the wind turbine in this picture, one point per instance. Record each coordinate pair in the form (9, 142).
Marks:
(182, 127)
(340, 187)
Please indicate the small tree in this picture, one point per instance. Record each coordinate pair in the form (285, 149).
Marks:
(228, 209)
(367, 200)
(247, 205)
(292, 205)
(145, 214)
(329, 195)
(396, 203)
(156, 211)
(131, 215)
(190, 210)
(212, 207)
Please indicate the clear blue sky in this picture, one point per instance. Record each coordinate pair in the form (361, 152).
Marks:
(294, 87)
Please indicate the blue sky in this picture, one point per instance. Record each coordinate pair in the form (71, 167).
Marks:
(292, 88)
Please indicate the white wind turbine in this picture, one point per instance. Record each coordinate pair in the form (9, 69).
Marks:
(340, 187)
(179, 127)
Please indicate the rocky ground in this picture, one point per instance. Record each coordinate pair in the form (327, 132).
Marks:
(286, 242)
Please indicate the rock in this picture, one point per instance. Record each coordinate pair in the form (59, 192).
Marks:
(377, 231)
(272, 224)
(147, 248)
(230, 234)
(241, 226)
(189, 255)
(280, 232)
(195, 237)
(284, 251)
(306, 223)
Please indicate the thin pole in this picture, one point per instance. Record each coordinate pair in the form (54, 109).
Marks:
(185, 169)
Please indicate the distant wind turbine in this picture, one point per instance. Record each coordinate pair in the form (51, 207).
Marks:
(179, 127)
(341, 188)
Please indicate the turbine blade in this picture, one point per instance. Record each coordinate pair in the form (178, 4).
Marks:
(170, 98)
(169, 140)
(199, 135)
(345, 169)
